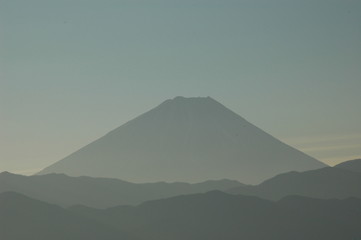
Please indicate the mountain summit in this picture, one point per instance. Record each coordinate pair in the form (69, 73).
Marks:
(185, 139)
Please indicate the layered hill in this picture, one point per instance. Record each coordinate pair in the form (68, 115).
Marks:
(188, 140)
(209, 216)
(216, 215)
(325, 183)
(100, 192)
(25, 218)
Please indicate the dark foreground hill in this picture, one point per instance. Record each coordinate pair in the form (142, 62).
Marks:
(100, 192)
(320, 183)
(187, 140)
(217, 215)
(352, 165)
(210, 216)
(22, 218)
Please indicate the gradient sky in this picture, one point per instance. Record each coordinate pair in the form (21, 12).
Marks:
(72, 70)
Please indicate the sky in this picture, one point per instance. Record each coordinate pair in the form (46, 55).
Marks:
(73, 70)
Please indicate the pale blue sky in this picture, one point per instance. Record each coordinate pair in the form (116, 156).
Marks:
(72, 70)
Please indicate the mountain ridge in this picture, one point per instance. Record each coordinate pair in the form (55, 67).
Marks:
(323, 183)
(22, 217)
(217, 215)
(352, 165)
(65, 190)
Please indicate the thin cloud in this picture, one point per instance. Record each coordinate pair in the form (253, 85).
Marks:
(330, 148)
(28, 171)
(336, 160)
(321, 139)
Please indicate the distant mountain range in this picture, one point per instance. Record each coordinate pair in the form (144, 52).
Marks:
(330, 182)
(188, 140)
(63, 190)
(209, 216)
(100, 192)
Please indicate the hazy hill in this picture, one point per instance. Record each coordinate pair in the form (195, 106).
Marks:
(320, 183)
(352, 165)
(217, 215)
(185, 139)
(22, 218)
(209, 216)
(100, 192)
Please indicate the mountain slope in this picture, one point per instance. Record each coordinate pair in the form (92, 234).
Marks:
(100, 192)
(352, 165)
(185, 139)
(216, 215)
(320, 183)
(24, 218)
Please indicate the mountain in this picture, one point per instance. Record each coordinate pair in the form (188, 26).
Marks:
(185, 139)
(217, 215)
(100, 192)
(352, 165)
(25, 218)
(323, 183)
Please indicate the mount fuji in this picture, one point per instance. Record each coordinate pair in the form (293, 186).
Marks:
(188, 140)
